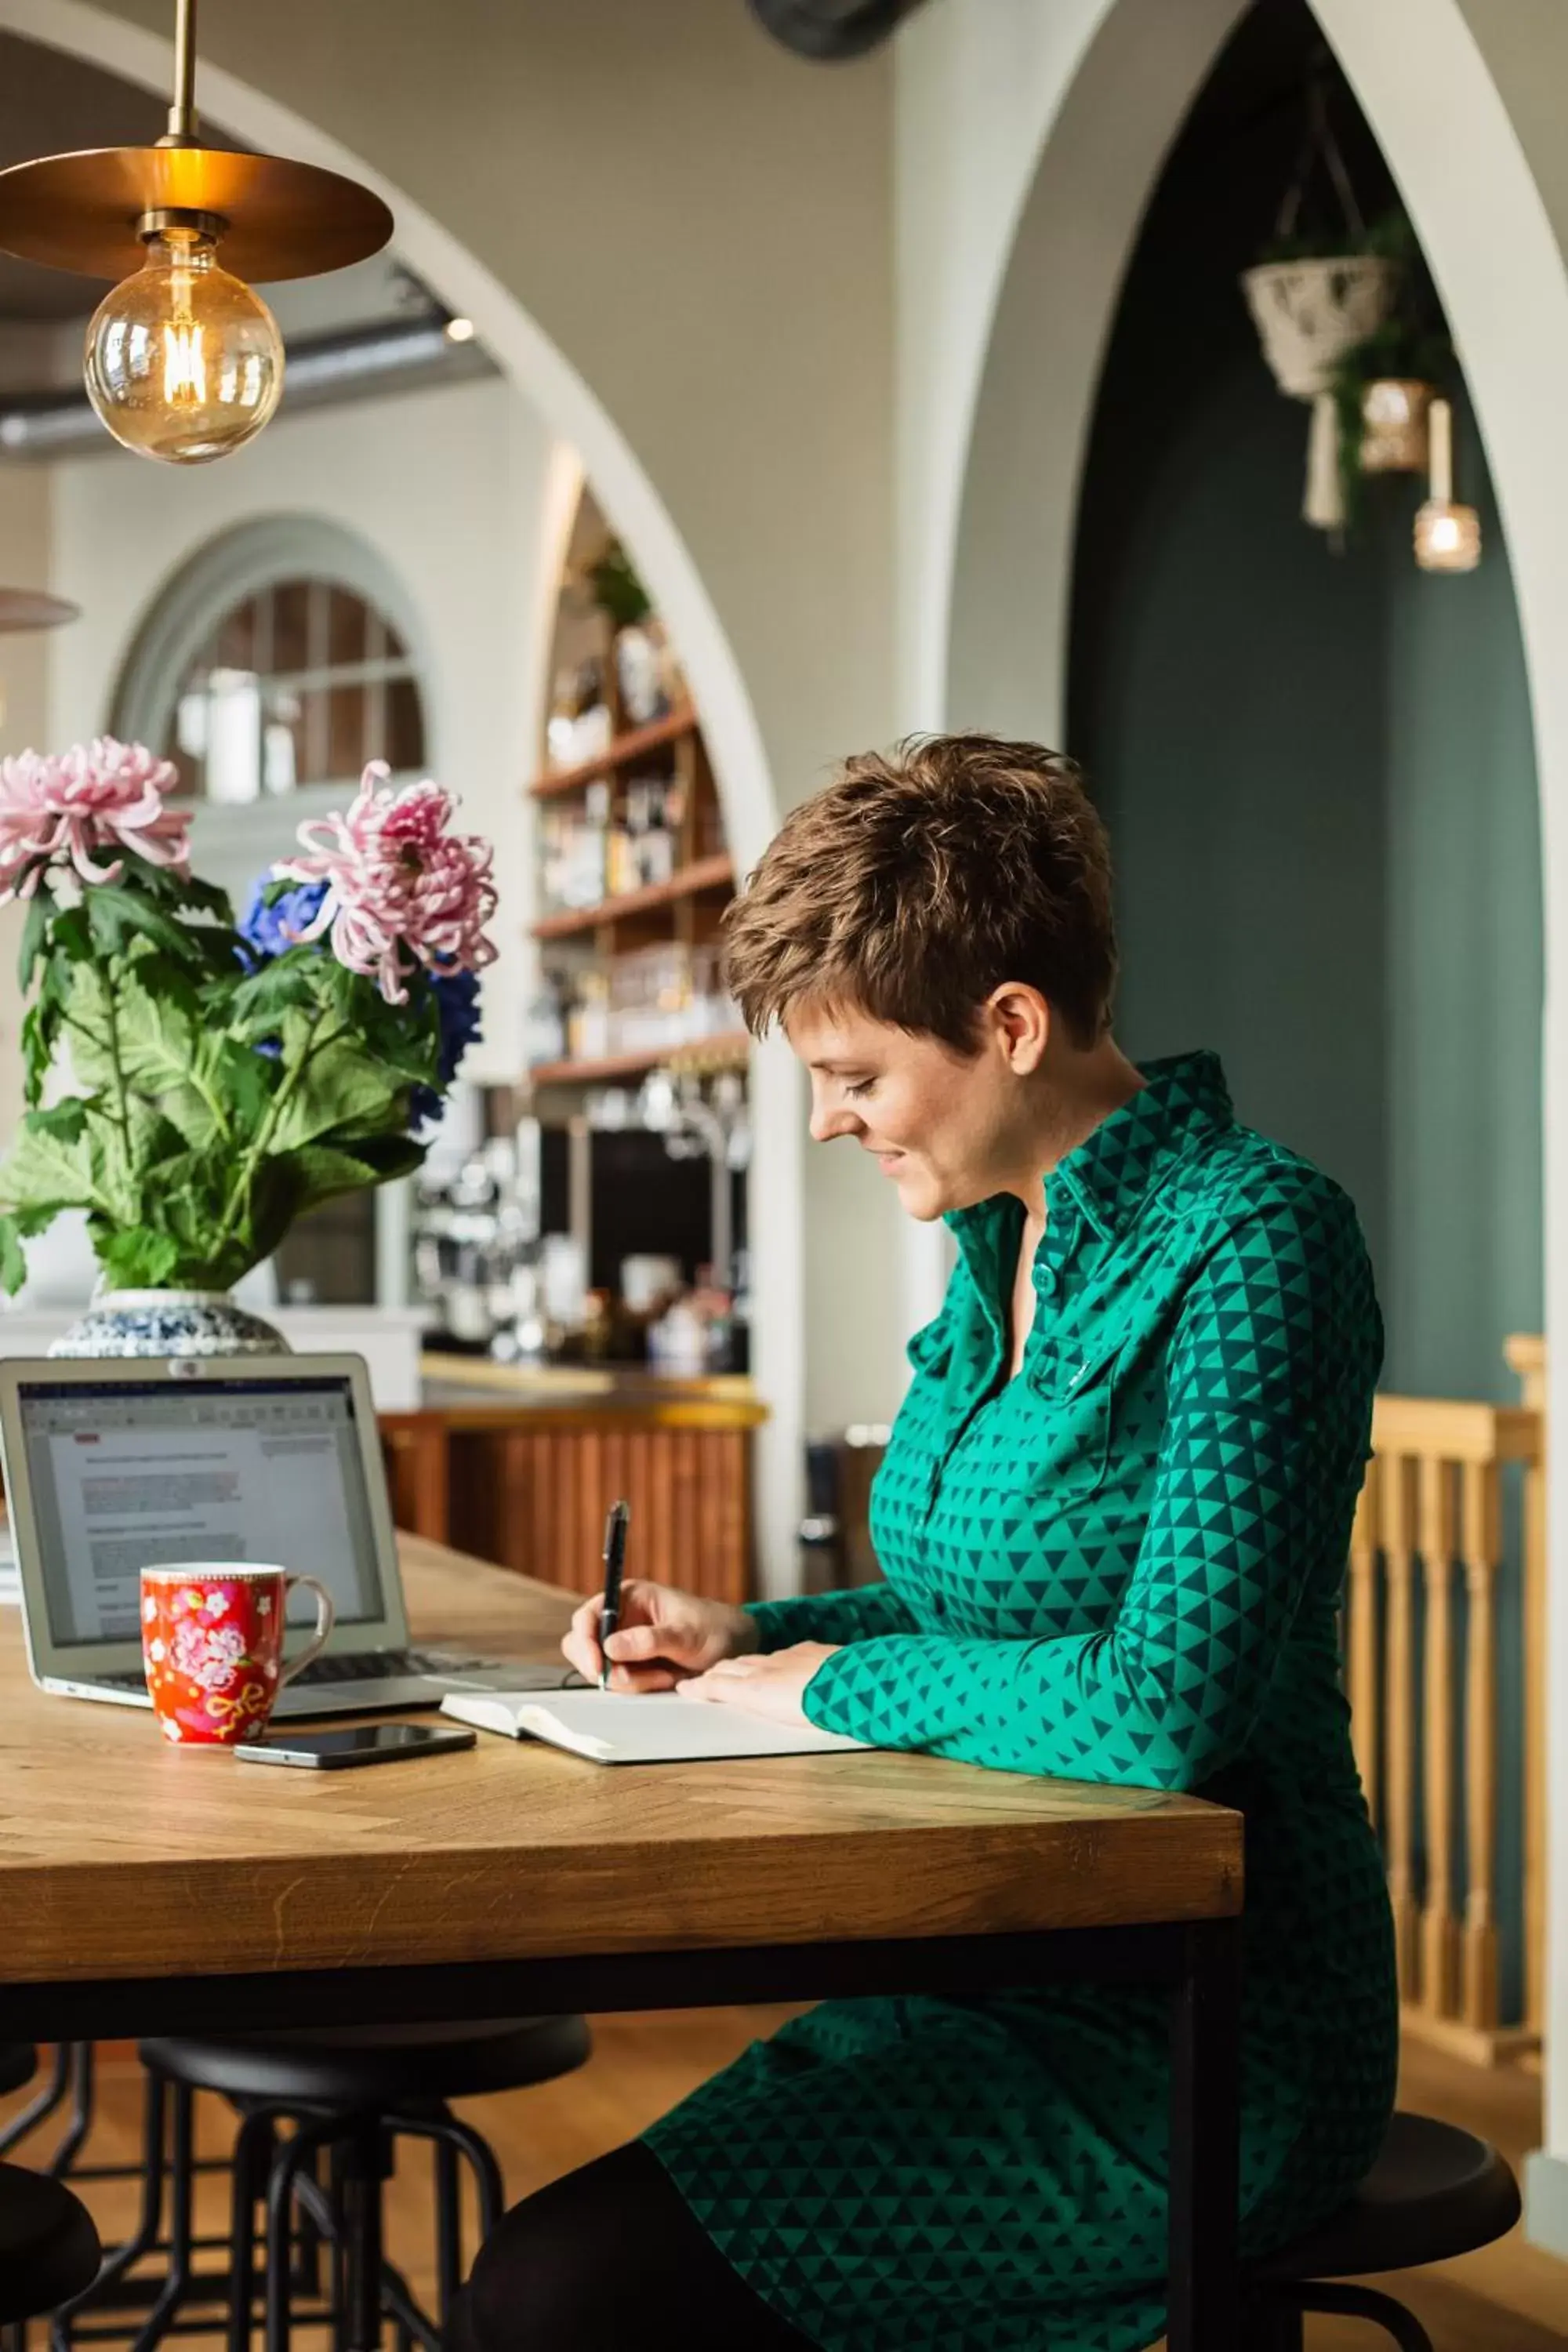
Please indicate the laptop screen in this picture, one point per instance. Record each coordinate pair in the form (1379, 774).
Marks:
(127, 1473)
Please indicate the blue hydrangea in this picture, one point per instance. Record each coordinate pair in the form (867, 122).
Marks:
(269, 929)
(457, 1011)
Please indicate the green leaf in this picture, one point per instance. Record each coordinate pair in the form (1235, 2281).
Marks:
(339, 1085)
(13, 1261)
(287, 984)
(244, 1081)
(35, 937)
(167, 888)
(39, 1035)
(117, 916)
(323, 1171)
(135, 1258)
(59, 1160)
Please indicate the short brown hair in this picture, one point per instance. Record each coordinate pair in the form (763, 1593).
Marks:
(920, 881)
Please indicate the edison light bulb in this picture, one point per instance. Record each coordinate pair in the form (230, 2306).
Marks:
(183, 363)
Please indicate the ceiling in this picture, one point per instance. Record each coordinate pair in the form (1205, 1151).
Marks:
(50, 102)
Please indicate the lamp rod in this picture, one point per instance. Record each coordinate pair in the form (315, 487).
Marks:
(1440, 447)
(182, 111)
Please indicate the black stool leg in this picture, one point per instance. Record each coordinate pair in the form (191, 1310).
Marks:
(445, 2127)
(255, 2143)
(182, 2184)
(367, 2164)
(82, 2073)
(279, 2210)
(43, 2103)
(1364, 2302)
(448, 2229)
(145, 2235)
(1273, 2326)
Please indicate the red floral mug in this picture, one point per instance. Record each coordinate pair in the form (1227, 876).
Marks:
(211, 1642)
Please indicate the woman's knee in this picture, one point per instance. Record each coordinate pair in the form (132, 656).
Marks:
(547, 2275)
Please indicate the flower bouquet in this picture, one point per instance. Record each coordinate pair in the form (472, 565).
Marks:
(225, 1078)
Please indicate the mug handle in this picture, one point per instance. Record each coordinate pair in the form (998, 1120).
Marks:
(326, 1618)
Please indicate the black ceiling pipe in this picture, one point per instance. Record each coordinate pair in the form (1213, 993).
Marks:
(831, 29)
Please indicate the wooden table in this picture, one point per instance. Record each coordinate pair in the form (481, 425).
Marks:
(148, 1891)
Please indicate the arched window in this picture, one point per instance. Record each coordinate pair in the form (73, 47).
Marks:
(280, 658)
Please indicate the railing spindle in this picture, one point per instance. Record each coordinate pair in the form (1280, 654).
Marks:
(1481, 1539)
(1360, 1640)
(1399, 1730)
(1439, 1926)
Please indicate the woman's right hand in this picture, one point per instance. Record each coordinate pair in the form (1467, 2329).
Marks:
(663, 1638)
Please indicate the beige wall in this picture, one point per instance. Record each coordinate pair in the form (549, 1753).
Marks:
(24, 538)
(447, 489)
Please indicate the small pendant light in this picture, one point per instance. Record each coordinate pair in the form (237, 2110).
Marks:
(1448, 537)
(185, 361)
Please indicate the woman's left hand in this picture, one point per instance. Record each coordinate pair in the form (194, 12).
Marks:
(771, 1685)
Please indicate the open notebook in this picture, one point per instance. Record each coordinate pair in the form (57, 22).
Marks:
(659, 1728)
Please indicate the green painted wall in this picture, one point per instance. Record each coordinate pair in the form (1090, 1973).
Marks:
(1465, 975)
(1317, 767)
(1319, 774)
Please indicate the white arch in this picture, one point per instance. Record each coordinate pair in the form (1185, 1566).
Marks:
(542, 372)
(1018, 451)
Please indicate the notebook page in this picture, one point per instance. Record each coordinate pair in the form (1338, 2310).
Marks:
(656, 1727)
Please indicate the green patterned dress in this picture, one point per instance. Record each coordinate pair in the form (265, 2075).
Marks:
(1122, 1566)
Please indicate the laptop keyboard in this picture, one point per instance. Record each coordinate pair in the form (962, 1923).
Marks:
(376, 1665)
(354, 1666)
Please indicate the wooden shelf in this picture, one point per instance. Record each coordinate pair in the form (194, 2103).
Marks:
(707, 874)
(630, 1065)
(621, 753)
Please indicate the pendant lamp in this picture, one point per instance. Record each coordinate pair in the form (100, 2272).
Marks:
(29, 608)
(1448, 535)
(185, 361)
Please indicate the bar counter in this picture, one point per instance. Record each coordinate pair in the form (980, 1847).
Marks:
(518, 1464)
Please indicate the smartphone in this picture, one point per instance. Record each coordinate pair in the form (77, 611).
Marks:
(339, 1751)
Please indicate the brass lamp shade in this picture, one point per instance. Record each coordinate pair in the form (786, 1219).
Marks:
(29, 608)
(282, 219)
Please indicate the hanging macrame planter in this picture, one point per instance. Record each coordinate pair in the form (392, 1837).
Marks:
(1310, 313)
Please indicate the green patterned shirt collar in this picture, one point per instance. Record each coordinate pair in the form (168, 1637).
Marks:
(1111, 1173)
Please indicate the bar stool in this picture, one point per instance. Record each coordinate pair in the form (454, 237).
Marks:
(1435, 2191)
(49, 2246)
(350, 2094)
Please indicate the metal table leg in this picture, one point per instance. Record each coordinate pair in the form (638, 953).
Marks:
(1205, 2307)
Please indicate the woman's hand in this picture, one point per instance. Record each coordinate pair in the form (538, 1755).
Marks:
(774, 1685)
(663, 1638)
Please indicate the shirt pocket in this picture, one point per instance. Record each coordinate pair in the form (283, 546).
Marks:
(1072, 1393)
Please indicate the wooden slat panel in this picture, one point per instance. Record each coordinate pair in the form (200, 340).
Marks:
(1399, 1667)
(1534, 1607)
(1481, 1540)
(1360, 1644)
(1439, 1926)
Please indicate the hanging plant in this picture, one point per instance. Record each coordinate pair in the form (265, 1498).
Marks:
(1342, 305)
(1406, 363)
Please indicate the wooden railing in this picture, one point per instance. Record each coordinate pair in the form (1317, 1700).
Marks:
(1421, 1649)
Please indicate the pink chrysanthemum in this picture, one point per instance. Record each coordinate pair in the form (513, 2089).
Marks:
(59, 808)
(402, 889)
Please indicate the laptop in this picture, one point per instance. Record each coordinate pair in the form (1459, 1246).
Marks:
(114, 1464)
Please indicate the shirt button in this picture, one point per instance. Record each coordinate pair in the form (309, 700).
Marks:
(1044, 1279)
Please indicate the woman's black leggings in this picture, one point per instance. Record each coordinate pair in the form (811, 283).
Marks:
(610, 2259)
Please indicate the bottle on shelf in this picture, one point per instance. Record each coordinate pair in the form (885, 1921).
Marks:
(544, 1023)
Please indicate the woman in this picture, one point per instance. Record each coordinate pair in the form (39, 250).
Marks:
(1113, 1518)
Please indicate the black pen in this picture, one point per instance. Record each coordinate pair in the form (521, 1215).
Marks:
(615, 1563)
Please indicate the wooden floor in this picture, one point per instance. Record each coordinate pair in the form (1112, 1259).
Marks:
(1508, 2298)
